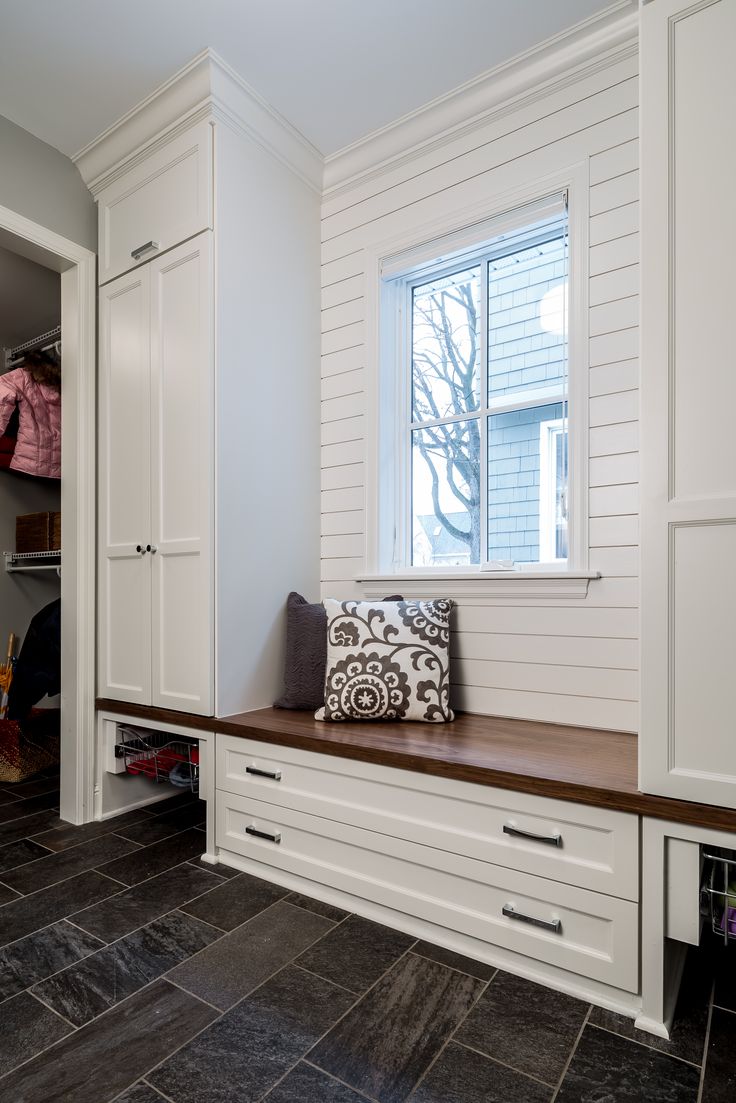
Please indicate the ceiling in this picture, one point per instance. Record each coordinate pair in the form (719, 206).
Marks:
(30, 299)
(336, 69)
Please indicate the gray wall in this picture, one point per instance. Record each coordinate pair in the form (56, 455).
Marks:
(42, 184)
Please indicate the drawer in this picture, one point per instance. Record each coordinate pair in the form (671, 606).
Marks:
(593, 848)
(160, 202)
(586, 933)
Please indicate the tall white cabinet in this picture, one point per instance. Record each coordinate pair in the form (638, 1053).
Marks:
(209, 388)
(156, 467)
(688, 394)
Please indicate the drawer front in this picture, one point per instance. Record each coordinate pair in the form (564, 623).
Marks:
(592, 848)
(159, 203)
(583, 932)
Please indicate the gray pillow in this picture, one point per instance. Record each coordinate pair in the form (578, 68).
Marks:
(306, 654)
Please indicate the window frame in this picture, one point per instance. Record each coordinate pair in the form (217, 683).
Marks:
(387, 484)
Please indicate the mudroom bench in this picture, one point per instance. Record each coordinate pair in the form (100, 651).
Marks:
(514, 842)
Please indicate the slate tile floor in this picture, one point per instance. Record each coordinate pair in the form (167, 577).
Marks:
(131, 971)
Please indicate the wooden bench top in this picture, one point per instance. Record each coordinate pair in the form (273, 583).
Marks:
(586, 765)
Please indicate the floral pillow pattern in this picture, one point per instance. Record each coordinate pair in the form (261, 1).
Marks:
(388, 661)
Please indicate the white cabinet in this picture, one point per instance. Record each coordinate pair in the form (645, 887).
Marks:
(688, 394)
(209, 431)
(156, 485)
(162, 200)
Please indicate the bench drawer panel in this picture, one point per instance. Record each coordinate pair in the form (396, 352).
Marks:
(593, 848)
(583, 932)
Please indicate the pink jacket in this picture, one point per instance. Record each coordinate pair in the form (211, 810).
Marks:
(38, 449)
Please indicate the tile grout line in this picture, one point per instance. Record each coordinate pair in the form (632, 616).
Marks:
(156, 1090)
(311, 973)
(49, 1008)
(706, 1045)
(645, 1045)
(576, 1043)
(504, 1064)
(330, 1076)
(55, 853)
(451, 1035)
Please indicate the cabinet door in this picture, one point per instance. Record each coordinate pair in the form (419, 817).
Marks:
(182, 382)
(124, 490)
(688, 394)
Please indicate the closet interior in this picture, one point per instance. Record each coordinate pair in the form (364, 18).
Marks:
(30, 515)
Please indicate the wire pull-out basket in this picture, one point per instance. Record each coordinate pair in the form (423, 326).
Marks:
(718, 892)
(159, 756)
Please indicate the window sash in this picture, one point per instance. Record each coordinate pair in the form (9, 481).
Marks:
(523, 399)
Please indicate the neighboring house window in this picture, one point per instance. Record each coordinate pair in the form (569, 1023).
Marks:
(480, 418)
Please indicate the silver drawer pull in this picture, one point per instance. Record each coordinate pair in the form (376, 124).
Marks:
(553, 925)
(136, 254)
(274, 837)
(275, 775)
(550, 840)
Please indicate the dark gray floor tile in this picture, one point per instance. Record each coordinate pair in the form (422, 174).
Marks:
(67, 863)
(150, 860)
(95, 1064)
(719, 1084)
(462, 1076)
(306, 1084)
(10, 798)
(687, 1037)
(31, 913)
(156, 828)
(525, 1025)
(385, 1044)
(134, 907)
(329, 911)
(722, 965)
(17, 854)
(609, 1069)
(98, 982)
(17, 808)
(33, 788)
(69, 834)
(240, 961)
(219, 867)
(42, 953)
(237, 900)
(140, 1093)
(469, 965)
(28, 1027)
(28, 826)
(246, 1051)
(178, 800)
(7, 894)
(356, 953)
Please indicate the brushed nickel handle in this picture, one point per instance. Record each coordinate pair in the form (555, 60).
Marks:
(136, 254)
(275, 775)
(549, 840)
(274, 837)
(151, 548)
(140, 549)
(554, 925)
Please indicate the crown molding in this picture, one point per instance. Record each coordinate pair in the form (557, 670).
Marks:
(596, 43)
(206, 86)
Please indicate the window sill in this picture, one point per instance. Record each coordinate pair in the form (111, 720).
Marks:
(486, 584)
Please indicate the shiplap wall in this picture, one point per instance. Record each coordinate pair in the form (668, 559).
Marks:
(570, 661)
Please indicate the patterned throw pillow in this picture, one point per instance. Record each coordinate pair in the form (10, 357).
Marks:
(387, 661)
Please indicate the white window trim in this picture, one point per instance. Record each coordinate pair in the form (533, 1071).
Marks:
(548, 432)
(385, 485)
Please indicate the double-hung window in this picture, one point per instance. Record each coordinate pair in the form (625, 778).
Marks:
(478, 403)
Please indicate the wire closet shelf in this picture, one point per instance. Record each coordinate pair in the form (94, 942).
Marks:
(718, 893)
(160, 756)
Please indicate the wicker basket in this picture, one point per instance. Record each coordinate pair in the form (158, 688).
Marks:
(32, 532)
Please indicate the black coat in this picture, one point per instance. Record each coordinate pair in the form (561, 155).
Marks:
(38, 670)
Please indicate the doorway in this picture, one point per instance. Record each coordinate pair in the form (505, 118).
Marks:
(77, 269)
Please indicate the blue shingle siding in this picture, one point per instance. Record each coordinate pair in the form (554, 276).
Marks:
(513, 485)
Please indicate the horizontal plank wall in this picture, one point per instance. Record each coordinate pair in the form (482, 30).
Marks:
(564, 660)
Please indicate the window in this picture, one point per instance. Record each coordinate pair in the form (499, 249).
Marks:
(479, 425)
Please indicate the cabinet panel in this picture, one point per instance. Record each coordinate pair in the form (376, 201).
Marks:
(587, 933)
(124, 490)
(159, 202)
(182, 382)
(703, 233)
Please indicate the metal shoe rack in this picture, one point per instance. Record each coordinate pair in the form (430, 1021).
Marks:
(718, 892)
(157, 755)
